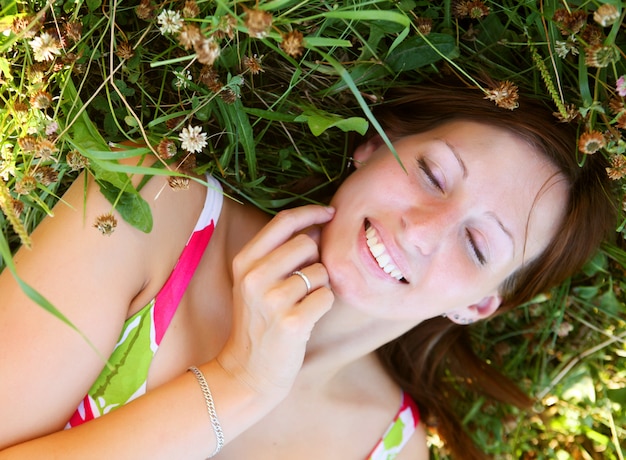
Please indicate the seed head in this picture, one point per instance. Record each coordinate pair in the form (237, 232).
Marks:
(41, 100)
(591, 141)
(292, 43)
(28, 143)
(189, 34)
(73, 31)
(45, 149)
(106, 224)
(606, 15)
(569, 23)
(617, 170)
(191, 10)
(253, 64)
(178, 182)
(207, 50)
(124, 50)
(145, 10)
(258, 22)
(166, 149)
(46, 175)
(25, 185)
(505, 95)
(76, 161)
(601, 56)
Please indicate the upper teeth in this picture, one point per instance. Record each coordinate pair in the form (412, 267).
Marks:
(379, 252)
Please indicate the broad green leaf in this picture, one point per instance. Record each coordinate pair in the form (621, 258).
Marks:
(416, 52)
(131, 206)
(319, 122)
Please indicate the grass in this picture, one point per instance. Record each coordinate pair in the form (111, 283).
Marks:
(293, 84)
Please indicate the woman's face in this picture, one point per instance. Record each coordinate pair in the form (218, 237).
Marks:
(474, 203)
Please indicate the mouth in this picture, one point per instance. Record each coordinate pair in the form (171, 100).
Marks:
(381, 255)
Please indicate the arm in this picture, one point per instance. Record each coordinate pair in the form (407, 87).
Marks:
(46, 368)
(253, 373)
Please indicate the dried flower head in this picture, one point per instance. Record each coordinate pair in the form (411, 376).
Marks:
(292, 43)
(18, 206)
(106, 224)
(253, 64)
(28, 143)
(76, 161)
(170, 22)
(620, 121)
(209, 76)
(193, 139)
(166, 149)
(190, 10)
(606, 15)
(124, 50)
(591, 141)
(41, 100)
(601, 56)
(46, 175)
(178, 182)
(258, 22)
(25, 26)
(145, 10)
(228, 95)
(505, 95)
(25, 185)
(188, 163)
(46, 149)
(226, 27)
(189, 34)
(424, 25)
(617, 170)
(207, 51)
(569, 23)
(592, 35)
(73, 30)
(45, 47)
(571, 114)
(474, 9)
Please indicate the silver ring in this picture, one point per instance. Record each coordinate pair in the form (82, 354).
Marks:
(305, 279)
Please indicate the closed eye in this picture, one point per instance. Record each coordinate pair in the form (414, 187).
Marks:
(476, 252)
(423, 166)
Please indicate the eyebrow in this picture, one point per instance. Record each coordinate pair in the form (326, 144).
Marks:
(457, 156)
(490, 214)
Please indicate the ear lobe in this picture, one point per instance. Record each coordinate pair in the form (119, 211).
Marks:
(481, 310)
(364, 151)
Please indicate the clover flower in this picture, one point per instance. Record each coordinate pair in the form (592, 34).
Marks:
(106, 224)
(590, 142)
(191, 10)
(505, 95)
(170, 22)
(41, 100)
(189, 34)
(193, 139)
(258, 22)
(606, 15)
(253, 64)
(76, 161)
(292, 43)
(207, 51)
(617, 170)
(45, 47)
(166, 149)
(601, 56)
(178, 182)
(620, 85)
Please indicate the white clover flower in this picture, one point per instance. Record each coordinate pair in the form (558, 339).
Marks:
(170, 22)
(45, 47)
(192, 139)
(182, 79)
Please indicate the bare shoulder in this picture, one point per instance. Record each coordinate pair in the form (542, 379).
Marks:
(92, 280)
(416, 447)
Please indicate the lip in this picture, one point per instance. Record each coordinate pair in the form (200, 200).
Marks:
(370, 262)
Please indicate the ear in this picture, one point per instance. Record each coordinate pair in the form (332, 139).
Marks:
(475, 312)
(364, 151)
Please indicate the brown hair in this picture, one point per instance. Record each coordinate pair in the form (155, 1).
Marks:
(427, 360)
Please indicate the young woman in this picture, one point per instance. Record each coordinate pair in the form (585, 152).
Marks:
(314, 333)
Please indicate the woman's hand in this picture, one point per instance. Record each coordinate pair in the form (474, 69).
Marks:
(273, 312)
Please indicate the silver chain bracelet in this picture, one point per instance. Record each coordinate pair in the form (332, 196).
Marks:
(210, 405)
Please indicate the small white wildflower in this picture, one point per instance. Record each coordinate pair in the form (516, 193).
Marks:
(563, 48)
(45, 47)
(170, 22)
(182, 79)
(192, 139)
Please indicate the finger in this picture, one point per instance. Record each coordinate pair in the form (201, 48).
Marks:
(314, 306)
(308, 280)
(283, 226)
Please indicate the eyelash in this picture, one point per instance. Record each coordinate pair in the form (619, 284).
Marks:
(478, 255)
(474, 248)
(421, 163)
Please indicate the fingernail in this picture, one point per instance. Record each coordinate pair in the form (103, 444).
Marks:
(330, 210)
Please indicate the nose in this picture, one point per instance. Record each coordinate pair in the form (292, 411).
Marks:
(428, 229)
